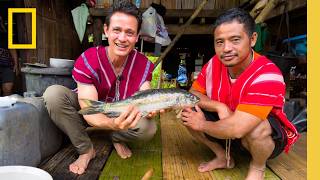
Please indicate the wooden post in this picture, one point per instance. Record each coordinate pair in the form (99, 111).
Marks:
(97, 31)
(265, 12)
(141, 47)
(183, 28)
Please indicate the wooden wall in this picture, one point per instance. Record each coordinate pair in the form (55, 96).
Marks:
(56, 35)
(180, 4)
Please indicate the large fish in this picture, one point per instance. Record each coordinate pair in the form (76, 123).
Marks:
(146, 101)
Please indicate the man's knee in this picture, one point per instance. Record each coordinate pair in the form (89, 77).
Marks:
(260, 136)
(7, 88)
(147, 129)
(261, 132)
(55, 98)
(54, 95)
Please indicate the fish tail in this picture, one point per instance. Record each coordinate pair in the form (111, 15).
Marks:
(93, 107)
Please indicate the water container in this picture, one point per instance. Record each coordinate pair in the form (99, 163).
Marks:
(19, 135)
(49, 135)
(38, 79)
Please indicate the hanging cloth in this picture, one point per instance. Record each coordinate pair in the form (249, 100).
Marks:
(263, 34)
(80, 15)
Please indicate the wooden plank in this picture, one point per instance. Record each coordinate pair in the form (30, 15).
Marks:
(58, 165)
(294, 164)
(145, 4)
(187, 4)
(169, 4)
(292, 5)
(170, 13)
(145, 156)
(178, 151)
(182, 154)
(211, 4)
(179, 4)
(191, 29)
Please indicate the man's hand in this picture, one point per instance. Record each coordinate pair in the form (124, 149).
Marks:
(127, 119)
(193, 119)
(154, 113)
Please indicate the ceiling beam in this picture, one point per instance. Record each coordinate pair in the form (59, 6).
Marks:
(212, 13)
(292, 5)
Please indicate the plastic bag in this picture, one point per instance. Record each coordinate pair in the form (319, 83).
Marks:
(149, 23)
(153, 28)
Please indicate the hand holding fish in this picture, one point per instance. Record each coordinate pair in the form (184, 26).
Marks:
(193, 119)
(214, 106)
(127, 119)
(154, 113)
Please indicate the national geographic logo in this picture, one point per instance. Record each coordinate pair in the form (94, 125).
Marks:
(10, 29)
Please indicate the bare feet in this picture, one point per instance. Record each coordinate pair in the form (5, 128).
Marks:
(123, 150)
(80, 165)
(215, 164)
(255, 173)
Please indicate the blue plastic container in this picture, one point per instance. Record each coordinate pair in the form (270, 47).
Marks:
(298, 44)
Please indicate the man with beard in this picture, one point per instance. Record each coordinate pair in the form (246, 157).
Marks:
(108, 74)
(242, 96)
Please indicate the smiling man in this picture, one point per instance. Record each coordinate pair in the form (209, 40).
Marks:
(241, 98)
(107, 74)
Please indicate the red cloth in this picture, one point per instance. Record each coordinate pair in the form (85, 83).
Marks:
(260, 84)
(94, 68)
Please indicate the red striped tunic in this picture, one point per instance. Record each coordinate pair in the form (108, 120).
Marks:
(261, 84)
(94, 68)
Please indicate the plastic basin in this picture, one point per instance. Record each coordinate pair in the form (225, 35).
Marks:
(23, 172)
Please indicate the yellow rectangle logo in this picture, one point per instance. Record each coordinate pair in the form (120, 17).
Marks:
(33, 31)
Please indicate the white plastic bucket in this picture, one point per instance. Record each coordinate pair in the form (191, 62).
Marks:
(23, 173)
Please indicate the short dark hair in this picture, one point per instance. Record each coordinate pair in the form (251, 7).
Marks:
(126, 7)
(237, 14)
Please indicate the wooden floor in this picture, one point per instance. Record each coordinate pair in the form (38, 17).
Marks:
(172, 154)
(182, 154)
(58, 165)
(146, 156)
(294, 164)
